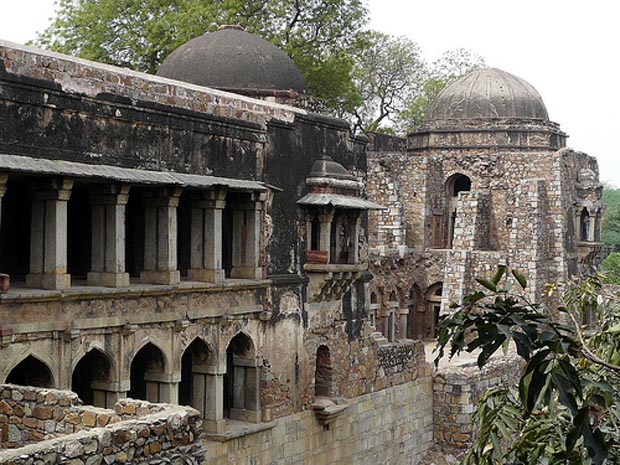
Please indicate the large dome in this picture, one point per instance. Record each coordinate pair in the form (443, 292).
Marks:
(488, 93)
(235, 60)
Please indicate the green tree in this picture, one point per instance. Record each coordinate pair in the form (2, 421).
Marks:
(387, 71)
(318, 34)
(565, 410)
(610, 226)
(450, 66)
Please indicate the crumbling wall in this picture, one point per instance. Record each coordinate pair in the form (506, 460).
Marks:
(61, 431)
(456, 392)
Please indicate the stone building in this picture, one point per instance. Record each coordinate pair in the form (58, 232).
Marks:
(201, 237)
(487, 180)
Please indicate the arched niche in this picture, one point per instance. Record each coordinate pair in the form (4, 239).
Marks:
(323, 382)
(31, 372)
(195, 369)
(147, 375)
(455, 184)
(415, 318)
(433, 309)
(91, 379)
(241, 383)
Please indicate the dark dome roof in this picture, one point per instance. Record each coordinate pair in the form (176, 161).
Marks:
(233, 59)
(488, 93)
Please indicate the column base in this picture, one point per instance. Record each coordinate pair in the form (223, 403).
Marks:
(160, 277)
(96, 278)
(206, 276)
(51, 281)
(246, 272)
(214, 426)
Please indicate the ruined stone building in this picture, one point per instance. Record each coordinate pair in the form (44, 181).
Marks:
(203, 238)
(487, 180)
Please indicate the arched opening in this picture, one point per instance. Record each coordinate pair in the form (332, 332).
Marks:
(241, 396)
(433, 304)
(584, 225)
(415, 318)
(323, 375)
(31, 372)
(90, 377)
(194, 376)
(147, 370)
(454, 185)
(374, 309)
(390, 330)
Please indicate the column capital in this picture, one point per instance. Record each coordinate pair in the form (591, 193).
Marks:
(52, 189)
(163, 197)
(3, 179)
(109, 194)
(208, 199)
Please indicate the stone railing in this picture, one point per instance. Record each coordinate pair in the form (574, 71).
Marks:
(48, 426)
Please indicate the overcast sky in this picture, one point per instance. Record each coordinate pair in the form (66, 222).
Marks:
(568, 50)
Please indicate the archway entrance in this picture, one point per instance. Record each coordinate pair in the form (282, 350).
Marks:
(90, 376)
(31, 372)
(241, 393)
(147, 375)
(323, 374)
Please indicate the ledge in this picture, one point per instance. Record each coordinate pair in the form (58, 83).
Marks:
(79, 292)
(335, 268)
(236, 429)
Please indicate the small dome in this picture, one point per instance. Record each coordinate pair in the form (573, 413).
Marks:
(488, 93)
(233, 59)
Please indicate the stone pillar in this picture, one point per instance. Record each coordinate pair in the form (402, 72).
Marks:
(214, 400)
(247, 239)
(108, 235)
(48, 239)
(206, 237)
(162, 387)
(326, 217)
(403, 319)
(160, 237)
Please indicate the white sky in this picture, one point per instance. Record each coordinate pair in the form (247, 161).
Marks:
(569, 50)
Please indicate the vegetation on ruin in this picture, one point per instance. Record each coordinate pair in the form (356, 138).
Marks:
(566, 408)
(610, 227)
(377, 81)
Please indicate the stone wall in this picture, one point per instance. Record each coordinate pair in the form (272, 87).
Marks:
(61, 431)
(388, 427)
(456, 393)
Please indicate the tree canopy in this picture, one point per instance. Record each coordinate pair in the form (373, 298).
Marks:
(565, 410)
(610, 226)
(377, 81)
(139, 34)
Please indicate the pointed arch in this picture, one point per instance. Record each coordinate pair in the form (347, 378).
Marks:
(241, 384)
(91, 374)
(323, 381)
(31, 371)
(147, 372)
(195, 362)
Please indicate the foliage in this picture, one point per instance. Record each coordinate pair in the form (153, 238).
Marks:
(387, 71)
(611, 268)
(139, 34)
(610, 227)
(396, 84)
(450, 66)
(565, 409)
